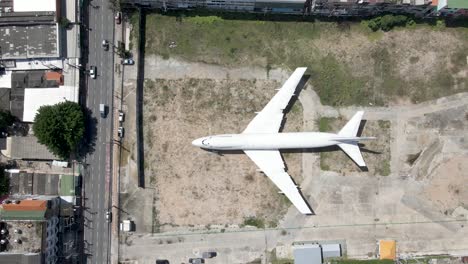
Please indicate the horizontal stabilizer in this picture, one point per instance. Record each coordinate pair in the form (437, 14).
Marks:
(352, 150)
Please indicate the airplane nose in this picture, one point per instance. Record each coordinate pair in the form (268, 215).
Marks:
(197, 142)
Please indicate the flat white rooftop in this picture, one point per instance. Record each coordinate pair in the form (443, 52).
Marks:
(34, 98)
(5, 80)
(34, 5)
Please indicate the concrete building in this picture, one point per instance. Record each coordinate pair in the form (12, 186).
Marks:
(307, 254)
(419, 8)
(27, 148)
(331, 250)
(35, 230)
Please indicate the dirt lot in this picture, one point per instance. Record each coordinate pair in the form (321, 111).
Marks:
(196, 187)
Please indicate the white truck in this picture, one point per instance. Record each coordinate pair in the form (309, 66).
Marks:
(102, 110)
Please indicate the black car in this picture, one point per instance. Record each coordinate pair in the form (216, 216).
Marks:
(162, 261)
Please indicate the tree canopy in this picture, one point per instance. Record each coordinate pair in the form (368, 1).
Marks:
(4, 181)
(6, 119)
(60, 127)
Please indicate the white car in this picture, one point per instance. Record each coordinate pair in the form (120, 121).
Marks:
(121, 116)
(121, 132)
(109, 216)
(92, 72)
(128, 62)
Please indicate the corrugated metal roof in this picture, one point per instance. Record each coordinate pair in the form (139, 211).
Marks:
(27, 205)
(331, 250)
(27, 148)
(307, 254)
(22, 215)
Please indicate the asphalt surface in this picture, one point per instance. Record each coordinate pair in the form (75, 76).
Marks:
(98, 170)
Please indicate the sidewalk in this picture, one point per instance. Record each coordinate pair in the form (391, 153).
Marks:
(119, 32)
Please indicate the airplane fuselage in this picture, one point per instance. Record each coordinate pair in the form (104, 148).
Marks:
(298, 140)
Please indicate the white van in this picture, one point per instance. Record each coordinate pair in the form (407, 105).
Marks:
(102, 110)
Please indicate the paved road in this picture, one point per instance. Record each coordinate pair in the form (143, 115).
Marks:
(97, 176)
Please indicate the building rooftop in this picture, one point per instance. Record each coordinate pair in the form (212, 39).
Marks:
(387, 249)
(457, 3)
(22, 215)
(29, 41)
(34, 98)
(34, 6)
(19, 258)
(307, 254)
(5, 99)
(26, 205)
(24, 183)
(28, 232)
(35, 79)
(17, 102)
(27, 148)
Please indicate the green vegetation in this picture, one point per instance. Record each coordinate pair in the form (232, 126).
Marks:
(6, 119)
(323, 164)
(67, 185)
(324, 124)
(254, 221)
(64, 22)
(335, 84)
(383, 124)
(388, 22)
(60, 127)
(384, 169)
(338, 80)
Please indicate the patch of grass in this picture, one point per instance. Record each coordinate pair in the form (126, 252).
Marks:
(204, 20)
(254, 221)
(384, 169)
(324, 124)
(336, 85)
(384, 124)
(323, 165)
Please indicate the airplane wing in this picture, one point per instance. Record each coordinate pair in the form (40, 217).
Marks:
(271, 163)
(270, 118)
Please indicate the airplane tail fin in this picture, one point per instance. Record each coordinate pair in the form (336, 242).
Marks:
(350, 130)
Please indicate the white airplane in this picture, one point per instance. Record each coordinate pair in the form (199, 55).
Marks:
(261, 141)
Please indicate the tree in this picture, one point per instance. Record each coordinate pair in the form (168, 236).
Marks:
(60, 127)
(64, 22)
(4, 181)
(6, 119)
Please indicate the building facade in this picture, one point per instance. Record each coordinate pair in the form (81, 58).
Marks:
(334, 8)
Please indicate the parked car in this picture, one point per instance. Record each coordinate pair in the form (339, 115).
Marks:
(209, 254)
(128, 62)
(108, 216)
(196, 260)
(92, 71)
(118, 17)
(162, 261)
(105, 45)
(121, 116)
(121, 132)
